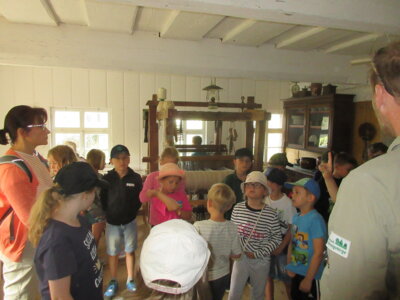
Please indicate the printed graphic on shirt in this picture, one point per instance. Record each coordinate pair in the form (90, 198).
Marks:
(90, 244)
(246, 230)
(300, 244)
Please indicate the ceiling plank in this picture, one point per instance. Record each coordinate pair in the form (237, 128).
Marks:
(188, 25)
(111, 16)
(299, 37)
(352, 42)
(235, 31)
(28, 11)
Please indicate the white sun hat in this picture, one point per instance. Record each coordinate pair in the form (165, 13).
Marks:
(173, 251)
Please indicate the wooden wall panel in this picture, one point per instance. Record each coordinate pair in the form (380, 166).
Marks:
(115, 96)
(80, 88)
(23, 85)
(163, 80)
(178, 88)
(235, 90)
(7, 94)
(62, 87)
(193, 89)
(363, 113)
(43, 87)
(98, 88)
(248, 88)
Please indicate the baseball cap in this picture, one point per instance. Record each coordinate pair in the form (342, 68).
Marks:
(78, 177)
(170, 169)
(310, 184)
(118, 149)
(255, 176)
(277, 176)
(173, 251)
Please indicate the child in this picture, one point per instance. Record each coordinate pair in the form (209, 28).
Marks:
(221, 236)
(259, 234)
(173, 260)
(308, 238)
(285, 210)
(58, 157)
(168, 202)
(169, 155)
(66, 256)
(243, 163)
(95, 214)
(121, 204)
(331, 179)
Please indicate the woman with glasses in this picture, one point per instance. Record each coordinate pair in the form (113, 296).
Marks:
(22, 178)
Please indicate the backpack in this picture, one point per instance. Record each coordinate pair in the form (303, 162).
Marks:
(19, 162)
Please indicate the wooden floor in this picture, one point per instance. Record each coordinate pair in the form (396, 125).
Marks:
(143, 291)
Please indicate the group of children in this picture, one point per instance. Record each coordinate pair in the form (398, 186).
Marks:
(252, 223)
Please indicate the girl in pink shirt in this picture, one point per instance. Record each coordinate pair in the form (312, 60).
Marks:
(168, 201)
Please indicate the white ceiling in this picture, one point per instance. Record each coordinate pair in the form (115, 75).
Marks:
(127, 18)
(277, 24)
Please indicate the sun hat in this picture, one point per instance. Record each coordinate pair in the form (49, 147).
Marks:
(170, 169)
(173, 251)
(308, 183)
(118, 149)
(255, 176)
(277, 176)
(78, 177)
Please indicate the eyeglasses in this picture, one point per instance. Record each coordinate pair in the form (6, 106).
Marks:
(43, 126)
(254, 185)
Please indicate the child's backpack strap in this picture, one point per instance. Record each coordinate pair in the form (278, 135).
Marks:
(19, 162)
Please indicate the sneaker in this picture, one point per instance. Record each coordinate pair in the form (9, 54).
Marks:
(131, 286)
(111, 289)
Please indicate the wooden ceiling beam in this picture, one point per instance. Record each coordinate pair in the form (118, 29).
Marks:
(232, 34)
(301, 36)
(353, 42)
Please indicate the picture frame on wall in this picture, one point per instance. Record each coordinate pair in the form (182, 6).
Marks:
(323, 141)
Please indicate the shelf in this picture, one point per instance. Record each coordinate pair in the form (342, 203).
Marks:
(296, 126)
(319, 112)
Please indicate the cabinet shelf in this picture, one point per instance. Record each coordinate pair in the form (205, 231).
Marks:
(327, 121)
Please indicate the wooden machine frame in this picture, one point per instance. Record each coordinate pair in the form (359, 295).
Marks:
(250, 112)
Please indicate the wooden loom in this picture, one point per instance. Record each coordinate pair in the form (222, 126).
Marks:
(250, 112)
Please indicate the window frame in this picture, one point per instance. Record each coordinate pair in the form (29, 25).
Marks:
(274, 130)
(82, 131)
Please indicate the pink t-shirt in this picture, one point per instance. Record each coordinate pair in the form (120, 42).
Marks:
(158, 210)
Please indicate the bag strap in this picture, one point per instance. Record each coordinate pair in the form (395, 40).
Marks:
(255, 225)
(19, 162)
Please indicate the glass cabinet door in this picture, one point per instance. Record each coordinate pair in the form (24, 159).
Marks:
(296, 118)
(318, 127)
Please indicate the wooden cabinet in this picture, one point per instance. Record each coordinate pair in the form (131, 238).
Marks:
(320, 123)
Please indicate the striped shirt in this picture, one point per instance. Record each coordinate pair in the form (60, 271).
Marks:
(266, 235)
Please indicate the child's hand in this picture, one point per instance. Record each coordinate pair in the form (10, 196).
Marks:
(290, 273)
(250, 255)
(305, 285)
(277, 251)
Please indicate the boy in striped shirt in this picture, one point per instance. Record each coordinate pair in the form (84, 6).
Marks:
(259, 235)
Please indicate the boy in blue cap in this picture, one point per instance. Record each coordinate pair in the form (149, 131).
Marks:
(308, 238)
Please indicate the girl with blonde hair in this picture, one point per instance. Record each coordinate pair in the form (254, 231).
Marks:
(66, 256)
(59, 156)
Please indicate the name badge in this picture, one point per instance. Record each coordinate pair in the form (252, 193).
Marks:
(130, 184)
(338, 245)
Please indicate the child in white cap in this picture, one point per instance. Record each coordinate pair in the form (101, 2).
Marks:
(173, 260)
(169, 202)
(259, 234)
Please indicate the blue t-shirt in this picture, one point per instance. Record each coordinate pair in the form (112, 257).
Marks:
(305, 228)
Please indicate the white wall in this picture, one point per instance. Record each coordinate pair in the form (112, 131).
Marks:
(125, 93)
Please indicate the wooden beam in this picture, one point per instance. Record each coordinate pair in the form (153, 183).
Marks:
(153, 135)
(249, 115)
(171, 19)
(299, 37)
(232, 34)
(219, 104)
(353, 42)
(198, 158)
(249, 135)
(259, 145)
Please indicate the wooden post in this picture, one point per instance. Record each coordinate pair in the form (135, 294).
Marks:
(249, 135)
(259, 145)
(218, 132)
(153, 140)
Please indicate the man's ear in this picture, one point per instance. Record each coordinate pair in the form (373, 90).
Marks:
(380, 97)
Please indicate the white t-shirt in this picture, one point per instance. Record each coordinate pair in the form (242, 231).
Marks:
(285, 210)
(223, 240)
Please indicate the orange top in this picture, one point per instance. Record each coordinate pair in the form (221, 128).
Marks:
(18, 192)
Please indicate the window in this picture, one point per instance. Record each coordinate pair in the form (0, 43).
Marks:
(274, 138)
(190, 128)
(88, 128)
